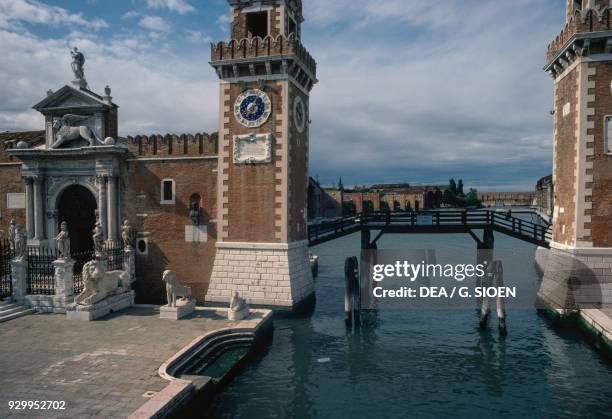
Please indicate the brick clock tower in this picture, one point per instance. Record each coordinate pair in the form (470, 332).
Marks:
(266, 76)
(580, 62)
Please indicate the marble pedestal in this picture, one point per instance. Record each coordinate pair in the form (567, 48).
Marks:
(181, 310)
(238, 315)
(100, 309)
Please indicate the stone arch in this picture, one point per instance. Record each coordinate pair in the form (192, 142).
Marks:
(77, 205)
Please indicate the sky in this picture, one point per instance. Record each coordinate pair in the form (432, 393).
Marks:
(409, 91)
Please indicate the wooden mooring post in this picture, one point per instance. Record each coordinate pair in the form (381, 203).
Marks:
(352, 297)
(494, 278)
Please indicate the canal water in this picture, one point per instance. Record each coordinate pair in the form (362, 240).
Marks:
(420, 362)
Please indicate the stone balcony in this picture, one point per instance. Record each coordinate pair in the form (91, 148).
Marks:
(263, 58)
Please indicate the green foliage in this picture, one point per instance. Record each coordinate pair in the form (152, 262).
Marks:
(384, 206)
(452, 187)
(368, 207)
(397, 207)
(349, 208)
(472, 198)
(460, 188)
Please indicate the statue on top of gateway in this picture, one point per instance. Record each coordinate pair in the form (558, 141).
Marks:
(78, 62)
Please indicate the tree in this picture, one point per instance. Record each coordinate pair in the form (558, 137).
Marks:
(384, 206)
(460, 188)
(448, 198)
(348, 208)
(368, 207)
(452, 186)
(397, 207)
(472, 198)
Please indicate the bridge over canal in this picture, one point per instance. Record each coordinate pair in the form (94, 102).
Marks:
(431, 222)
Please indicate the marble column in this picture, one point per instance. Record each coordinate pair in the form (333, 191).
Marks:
(39, 218)
(29, 207)
(112, 209)
(103, 204)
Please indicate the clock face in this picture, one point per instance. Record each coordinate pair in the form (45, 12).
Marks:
(299, 114)
(252, 108)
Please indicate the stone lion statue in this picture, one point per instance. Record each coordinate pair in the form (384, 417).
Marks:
(99, 284)
(67, 128)
(174, 289)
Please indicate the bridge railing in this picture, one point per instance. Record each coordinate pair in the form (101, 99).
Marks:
(316, 231)
(522, 227)
(504, 222)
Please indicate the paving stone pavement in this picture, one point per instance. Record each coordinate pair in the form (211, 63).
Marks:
(100, 369)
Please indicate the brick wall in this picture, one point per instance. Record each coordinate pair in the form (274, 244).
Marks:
(601, 213)
(10, 182)
(185, 145)
(164, 225)
(564, 155)
(298, 170)
(250, 191)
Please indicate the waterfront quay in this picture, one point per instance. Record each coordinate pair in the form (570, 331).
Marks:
(107, 368)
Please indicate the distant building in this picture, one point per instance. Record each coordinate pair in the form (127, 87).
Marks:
(321, 204)
(337, 201)
(506, 199)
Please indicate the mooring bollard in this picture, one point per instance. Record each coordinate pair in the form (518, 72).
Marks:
(351, 292)
(485, 301)
(494, 276)
(501, 305)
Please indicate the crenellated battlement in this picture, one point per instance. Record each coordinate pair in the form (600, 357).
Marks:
(581, 21)
(257, 47)
(184, 145)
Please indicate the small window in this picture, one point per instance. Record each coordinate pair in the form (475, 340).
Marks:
(292, 27)
(257, 24)
(168, 191)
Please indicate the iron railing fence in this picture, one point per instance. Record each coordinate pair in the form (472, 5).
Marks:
(114, 254)
(6, 281)
(80, 259)
(40, 277)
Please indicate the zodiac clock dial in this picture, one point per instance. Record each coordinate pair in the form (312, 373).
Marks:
(252, 108)
(299, 114)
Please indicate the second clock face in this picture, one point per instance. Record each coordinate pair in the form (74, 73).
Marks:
(299, 114)
(253, 108)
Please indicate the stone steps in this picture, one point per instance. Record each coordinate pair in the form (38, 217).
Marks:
(10, 311)
(5, 302)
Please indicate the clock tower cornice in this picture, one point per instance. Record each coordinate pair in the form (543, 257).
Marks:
(252, 59)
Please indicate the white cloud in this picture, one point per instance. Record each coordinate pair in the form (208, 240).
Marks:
(154, 23)
(131, 14)
(157, 91)
(223, 21)
(179, 6)
(197, 37)
(419, 90)
(31, 11)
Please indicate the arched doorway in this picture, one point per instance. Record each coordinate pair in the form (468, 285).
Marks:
(77, 206)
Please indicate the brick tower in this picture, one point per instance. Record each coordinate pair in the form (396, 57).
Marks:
(266, 76)
(580, 62)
